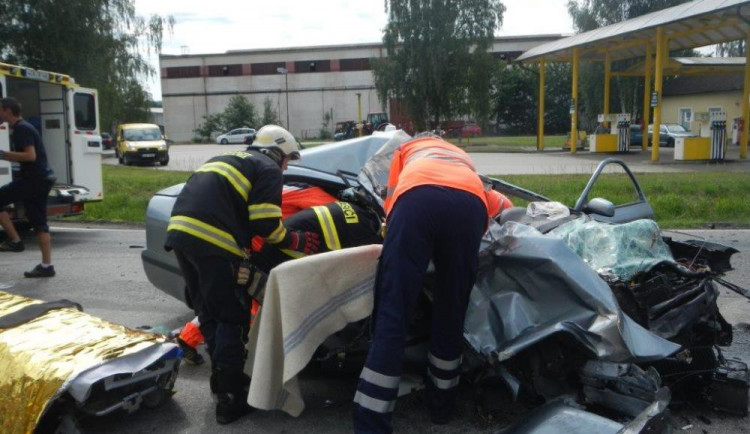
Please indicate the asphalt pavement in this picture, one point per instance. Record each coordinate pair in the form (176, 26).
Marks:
(100, 267)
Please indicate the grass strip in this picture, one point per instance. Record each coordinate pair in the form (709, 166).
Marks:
(680, 200)
(127, 191)
(507, 143)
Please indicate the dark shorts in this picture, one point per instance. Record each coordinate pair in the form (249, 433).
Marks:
(33, 195)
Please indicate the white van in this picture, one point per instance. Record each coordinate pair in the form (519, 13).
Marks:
(67, 117)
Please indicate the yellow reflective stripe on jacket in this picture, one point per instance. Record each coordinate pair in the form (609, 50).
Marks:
(264, 211)
(293, 253)
(277, 235)
(237, 179)
(205, 232)
(330, 234)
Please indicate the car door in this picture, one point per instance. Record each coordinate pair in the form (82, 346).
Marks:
(236, 136)
(663, 135)
(637, 208)
(5, 171)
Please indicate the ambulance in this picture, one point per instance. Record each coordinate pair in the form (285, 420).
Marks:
(67, 116)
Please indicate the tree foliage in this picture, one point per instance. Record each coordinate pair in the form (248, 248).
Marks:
(98, 42)
(270, 116)
(436, 63)
(514, 95)
(626, 93)
(239, 113)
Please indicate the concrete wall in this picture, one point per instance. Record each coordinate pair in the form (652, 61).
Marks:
(310, 94)
(728, 101)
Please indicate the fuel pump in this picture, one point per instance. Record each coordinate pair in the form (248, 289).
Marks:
(615, 137)
(710, 143)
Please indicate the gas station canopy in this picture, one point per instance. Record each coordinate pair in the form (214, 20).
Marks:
(689, 25)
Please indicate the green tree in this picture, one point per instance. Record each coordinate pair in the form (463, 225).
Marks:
(211, 124)
(239, 113)
(269, 114)
(101, 43)
(515, 93)
(436, 52)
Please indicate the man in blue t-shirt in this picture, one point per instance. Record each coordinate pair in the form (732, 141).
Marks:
(30, 186)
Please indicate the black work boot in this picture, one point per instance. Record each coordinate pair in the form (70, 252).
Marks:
(231, 395)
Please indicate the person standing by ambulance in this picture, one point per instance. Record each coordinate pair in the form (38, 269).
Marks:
(436, 210)
(226, 202)
(31, 187)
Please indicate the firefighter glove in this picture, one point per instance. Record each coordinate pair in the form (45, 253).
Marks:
(305, 242)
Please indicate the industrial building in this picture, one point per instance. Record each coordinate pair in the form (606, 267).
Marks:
(302, 83)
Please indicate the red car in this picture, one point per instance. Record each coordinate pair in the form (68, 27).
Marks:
(471, 130)
(468, 130)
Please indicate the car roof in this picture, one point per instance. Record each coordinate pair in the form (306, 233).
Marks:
(132, 126)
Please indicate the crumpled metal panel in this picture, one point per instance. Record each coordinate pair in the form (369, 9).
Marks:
(531, 286)
(38, 358)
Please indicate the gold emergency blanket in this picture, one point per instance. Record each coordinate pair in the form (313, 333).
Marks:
(38, 357)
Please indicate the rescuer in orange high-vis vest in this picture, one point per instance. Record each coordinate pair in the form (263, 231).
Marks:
(437, 210)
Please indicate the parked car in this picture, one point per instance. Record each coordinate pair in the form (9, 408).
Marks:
(107, 141)
(668, 133)
(469, 129)
(141, 143)
(237, 135)
(596, 341)
(636, 135)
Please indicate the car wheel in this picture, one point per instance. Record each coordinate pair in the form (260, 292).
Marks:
(224, 141)
(164, 162)
(119, 156)
(670, 143)
(126, 160)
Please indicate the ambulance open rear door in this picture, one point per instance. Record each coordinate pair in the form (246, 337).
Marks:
(85, 141)
(5, 170)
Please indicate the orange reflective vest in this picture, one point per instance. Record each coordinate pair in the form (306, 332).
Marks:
(431, 161)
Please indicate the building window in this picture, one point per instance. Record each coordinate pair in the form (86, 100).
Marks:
(312, 66)
(266, 68)
(184, 72)
(362, 64)
(224, 70)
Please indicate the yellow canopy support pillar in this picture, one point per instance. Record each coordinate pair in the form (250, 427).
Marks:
(646, 98)
(607, 82)
(574, 103)
(540, 122)
(745, 102)
(661, 48)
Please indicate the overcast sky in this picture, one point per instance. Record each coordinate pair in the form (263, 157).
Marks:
(219, 25)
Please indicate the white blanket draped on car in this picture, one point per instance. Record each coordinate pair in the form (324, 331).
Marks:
(306, 300)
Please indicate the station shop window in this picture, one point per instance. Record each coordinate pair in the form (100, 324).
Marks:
(312, 66)
(266, 68)
(184, 72)
(224, 70)
(362, 64)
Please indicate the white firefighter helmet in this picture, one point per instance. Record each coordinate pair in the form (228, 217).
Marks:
(278, 137)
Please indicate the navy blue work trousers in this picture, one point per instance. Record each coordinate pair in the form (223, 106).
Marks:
(224, 318)
(435, 223)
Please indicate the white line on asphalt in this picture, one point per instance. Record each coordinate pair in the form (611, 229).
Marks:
(67, 228)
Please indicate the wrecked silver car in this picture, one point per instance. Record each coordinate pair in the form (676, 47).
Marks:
(590, 309)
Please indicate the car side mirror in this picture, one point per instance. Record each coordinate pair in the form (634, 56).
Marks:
(600, 206)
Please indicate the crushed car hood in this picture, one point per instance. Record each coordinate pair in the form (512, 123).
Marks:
(507, 313)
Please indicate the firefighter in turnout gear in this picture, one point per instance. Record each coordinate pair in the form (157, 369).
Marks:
(339, 225)
(437, 210)
(226, 202)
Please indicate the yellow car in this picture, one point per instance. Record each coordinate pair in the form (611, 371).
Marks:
(141, 143)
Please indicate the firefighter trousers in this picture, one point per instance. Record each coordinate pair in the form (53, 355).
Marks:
(224, 319)
(427, 222)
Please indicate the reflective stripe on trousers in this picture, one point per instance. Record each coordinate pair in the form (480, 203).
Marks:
(328, 227)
